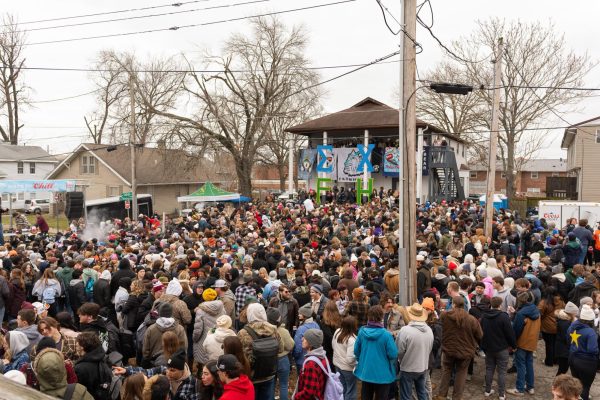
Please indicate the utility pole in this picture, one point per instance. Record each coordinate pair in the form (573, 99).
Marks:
(407, 136)
(491, 172)
(134, 202)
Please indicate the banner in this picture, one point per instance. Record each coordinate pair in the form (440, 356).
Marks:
(42, 185)
(348, 162)
(306, 163)
(425, 168)
(391, 161)
(325, 159)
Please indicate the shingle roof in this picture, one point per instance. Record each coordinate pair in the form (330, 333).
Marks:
(9, 152)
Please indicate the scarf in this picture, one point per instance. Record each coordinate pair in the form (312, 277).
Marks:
(373, 324)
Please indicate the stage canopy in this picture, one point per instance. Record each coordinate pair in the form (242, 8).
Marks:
(208, 192)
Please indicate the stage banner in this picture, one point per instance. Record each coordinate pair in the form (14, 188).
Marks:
(391, 161)
(306, 163)
(349, 160)
(41, 185)
(325, 159)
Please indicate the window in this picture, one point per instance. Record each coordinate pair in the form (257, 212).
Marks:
(473, 174)
(533, 190)
(21, 196)
(534, 175)
(113, 191)
(32, 168)
(20, 167)
(597, 135)
(5, 197)
(555, 174)
(88, 164)
(503, 175)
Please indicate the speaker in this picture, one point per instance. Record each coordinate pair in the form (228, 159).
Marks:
(74, 205)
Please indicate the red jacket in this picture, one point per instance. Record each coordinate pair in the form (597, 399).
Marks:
(239, 389)
(312, 381)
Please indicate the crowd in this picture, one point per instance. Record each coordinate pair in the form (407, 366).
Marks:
(299, 301)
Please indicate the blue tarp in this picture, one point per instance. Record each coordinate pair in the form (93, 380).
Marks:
(243, 199)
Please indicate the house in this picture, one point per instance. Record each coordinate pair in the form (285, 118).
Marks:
(582, 142)
(105, 171)
(373, 122)
(530, 179)
(24, 163)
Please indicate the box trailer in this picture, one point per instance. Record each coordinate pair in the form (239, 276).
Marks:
(559, 212)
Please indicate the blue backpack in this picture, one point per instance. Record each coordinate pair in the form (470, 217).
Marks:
(49, 295)
(89, 287)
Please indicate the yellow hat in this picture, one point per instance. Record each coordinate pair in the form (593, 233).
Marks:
(209, 294)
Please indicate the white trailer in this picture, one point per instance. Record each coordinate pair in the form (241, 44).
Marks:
(559, 212)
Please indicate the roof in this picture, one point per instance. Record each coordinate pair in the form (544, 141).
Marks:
(536, 165)
(12, 152)
(154, 165)
(570, 133)
(366, 114)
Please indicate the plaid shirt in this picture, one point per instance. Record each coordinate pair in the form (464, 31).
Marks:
(359, 310)
(241, 293)
(312, 380)
(187, 390)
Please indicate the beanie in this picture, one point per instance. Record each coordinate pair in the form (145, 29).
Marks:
(314, 337)
(209, 294)
(273, 316)
(587, 314)
(165, 311)
(224, 322)
(571, 308)
(305, 311)
(177, 360)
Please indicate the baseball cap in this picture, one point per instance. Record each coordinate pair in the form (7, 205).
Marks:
(227, 362)
(220, 283)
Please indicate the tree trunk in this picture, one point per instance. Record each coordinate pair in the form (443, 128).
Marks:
(243, 169)
(282, 167)
(510, 167)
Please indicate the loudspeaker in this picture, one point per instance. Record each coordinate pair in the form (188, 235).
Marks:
(74, 205)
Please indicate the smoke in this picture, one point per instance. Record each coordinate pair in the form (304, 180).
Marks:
(95, 227)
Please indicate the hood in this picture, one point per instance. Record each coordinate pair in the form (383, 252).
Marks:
(49, 367)
(574, 244)
(105, 275)
(263, 328)
(221, 333)
(98, 325)
(18, 341)
(241, 386)
(31, 332)
(561, 314)
(421, 326)
(256, 313)
(440, 277)
(392, 272)
(124, 264)
(214, 307)
(174, 288)
(491, 313)
(372, 333)
(75, 282)
(530, 311)
(561, 277)
(165, 324)
(94, 356)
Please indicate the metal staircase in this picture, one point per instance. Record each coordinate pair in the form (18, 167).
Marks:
(444, 181)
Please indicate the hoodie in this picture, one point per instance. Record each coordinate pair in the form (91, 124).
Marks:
(49, 367)
(33, 335)
(498, 334)
(508, 300)
(213, 343)
(563, 340)
(414, 342)
(238, 389)
(206, 319)
(527, 324)
(18, 344)
(584, 341)
(375, 346)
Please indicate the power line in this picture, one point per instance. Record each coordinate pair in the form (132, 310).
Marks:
(64, 98)
(179, 4)
(175, 28)
(142, 16)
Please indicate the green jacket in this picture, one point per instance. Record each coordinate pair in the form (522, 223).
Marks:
(49, 367)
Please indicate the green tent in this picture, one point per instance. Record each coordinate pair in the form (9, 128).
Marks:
(208, 192)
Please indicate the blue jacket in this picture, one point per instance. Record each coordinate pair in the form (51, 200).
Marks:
(298, 353)
(584, 341)
(527, 311)
(376, 355)
(17, 361)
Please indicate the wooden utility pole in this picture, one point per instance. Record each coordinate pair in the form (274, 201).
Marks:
(491, 172)
(408, 198)
(134, 202)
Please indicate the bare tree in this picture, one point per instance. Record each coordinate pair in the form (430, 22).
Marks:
(12, 88)
(262, 73)
(537, 67)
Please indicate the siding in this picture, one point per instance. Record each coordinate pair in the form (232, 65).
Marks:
(588, 158)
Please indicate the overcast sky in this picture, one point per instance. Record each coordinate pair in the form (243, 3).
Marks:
(349, 33)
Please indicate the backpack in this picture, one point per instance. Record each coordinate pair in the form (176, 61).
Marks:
(49, 295)
(69, 391)
(334, 390)
(89, 287)
(109, 385)
(556, 255)
(264, 350)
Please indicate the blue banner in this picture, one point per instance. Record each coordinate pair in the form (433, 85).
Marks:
(306, 163)
(41, 185)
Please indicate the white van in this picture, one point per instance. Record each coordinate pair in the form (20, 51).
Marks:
(22, 201)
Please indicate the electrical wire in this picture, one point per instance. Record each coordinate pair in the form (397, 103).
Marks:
(64, 98)
(142, 16)
(385, 10)
(179, 4)
(175, 28)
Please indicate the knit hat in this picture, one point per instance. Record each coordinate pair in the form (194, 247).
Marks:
(314, 337)
(224, 321)
(174, 287)
(353, 258)
(273, 316)
(420, 257)
(165, 310)
(305, 311)
(357, 293)
(587, 314)
(157, 286)
(428, 304)
(586, 300)
(44, 343)
(571, 308)
(317, 288)
(177, 360)
(209, 294)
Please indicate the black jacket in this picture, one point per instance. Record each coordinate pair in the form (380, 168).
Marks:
(76, 292)
(135, 311)
(106, 330)
(584, 289)
(102, 293)
(423, 280)
(91, 370)
(563, 341)
(498, 333)
(124, 271)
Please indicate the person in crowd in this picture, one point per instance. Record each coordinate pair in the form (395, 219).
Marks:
(548, 307)
(330, 321)
(313, 375)
(134, 310)
(16, 344)
(181, 313)
(124, 270)
(415, 342)
(67, 345)
(157, 387)
(343, 355)
(305, 316)
(133, 387)
(283, 357)
(91, 368)
(207, 314)
(566, 387)
(30, 376)
(26, 319)
(236, 386)
(76, 292)
(90, 320)
(226, 296)
(583, 353)
(18, 293)
(152, 344)
(213, 343)
(233, 345)
(287, 306)
(562, 344)
(48, 289)
(358, 307)
(461, 335)
(375, 346)
(211, 386)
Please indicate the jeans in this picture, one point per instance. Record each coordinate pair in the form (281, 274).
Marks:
(584, 370)
(349, 382)
(283, 376)
(549, 341)
(495, 361)
(583, 254)
(524, 363)
(1, 235)
(265, 390)
(377, 391)
(407, 379)
(458, 365)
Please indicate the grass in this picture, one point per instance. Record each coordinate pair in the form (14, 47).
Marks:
(63, 222)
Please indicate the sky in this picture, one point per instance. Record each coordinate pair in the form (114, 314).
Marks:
(342, 34)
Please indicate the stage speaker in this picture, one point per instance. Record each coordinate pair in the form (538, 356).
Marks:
(74, 205)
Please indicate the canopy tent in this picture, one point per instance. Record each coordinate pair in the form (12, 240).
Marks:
(242, 199)
(208, 192)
